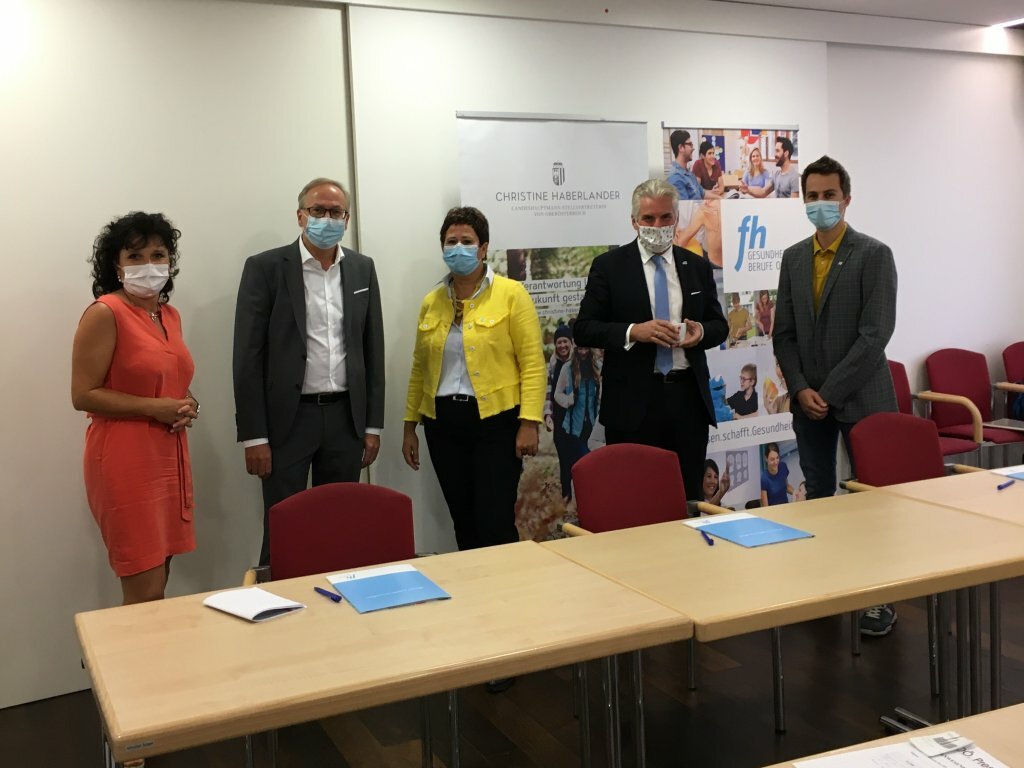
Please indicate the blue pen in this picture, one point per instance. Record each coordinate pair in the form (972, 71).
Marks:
(329, 595)
(708, 539)
(1007, 484)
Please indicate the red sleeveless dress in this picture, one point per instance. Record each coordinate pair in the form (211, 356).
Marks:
(137, 474)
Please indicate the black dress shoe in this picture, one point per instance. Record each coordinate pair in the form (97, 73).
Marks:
(500, 686)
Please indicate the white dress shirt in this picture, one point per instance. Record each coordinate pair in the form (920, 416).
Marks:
(675, 300)
(325, 339)
(454, 374)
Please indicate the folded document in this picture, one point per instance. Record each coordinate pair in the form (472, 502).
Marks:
(252, 603)
(747, 530)
(386, 587)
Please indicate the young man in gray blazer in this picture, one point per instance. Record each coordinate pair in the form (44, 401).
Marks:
(309, 356)
(835, 313)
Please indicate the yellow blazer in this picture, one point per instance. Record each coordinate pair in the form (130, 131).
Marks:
(502, 345)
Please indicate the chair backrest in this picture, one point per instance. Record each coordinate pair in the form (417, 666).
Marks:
(959, 372)
(890, 448)
(625, 485)
(904, 399)
(1013, 363)
(339, 526)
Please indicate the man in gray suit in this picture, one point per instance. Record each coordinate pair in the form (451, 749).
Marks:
(835, 313)
(309, 356)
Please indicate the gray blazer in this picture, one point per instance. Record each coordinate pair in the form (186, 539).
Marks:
(269, 361)
(840, 351)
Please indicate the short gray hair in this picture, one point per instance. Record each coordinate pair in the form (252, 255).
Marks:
(321, 181)
(653, 188)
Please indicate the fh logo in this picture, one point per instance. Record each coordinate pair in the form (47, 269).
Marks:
(558, 174)
(749, 226)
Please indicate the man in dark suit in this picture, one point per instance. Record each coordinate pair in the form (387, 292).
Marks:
(309, 356)
(835, 313)
(653, 308)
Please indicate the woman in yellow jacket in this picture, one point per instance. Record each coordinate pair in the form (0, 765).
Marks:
(477, 383)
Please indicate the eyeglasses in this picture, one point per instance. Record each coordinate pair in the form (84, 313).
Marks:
(318, 212)
(687, 143)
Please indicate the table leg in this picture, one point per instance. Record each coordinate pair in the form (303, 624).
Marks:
(250, 759)
(584, 708)
(575, 687)
(453, 727)
(638, 712)
(855, 633)
(995, 634)
(692, 682)
(272, 743)
(942, 655)
(933, 643)
(611, 696)
(975, 618)
(963, 652)
(426, 739)
(777, 681)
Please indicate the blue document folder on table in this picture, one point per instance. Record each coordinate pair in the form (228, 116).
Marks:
(387, 587)
(747, 530)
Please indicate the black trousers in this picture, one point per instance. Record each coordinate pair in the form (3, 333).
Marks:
(323, 438)
(817, 440)
(676, 420)
(476, 465)
(566, 456)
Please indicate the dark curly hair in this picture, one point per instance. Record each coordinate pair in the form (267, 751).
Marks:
(472, 218)
(131, 231)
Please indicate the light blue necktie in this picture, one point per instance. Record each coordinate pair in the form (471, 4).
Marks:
(663, 360)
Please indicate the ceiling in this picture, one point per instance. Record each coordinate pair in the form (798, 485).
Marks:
(980, 12)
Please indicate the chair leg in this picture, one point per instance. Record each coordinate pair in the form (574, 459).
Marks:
(995, 633)
(611, 708)
(975, 618)
(639, 736)
(855, 633)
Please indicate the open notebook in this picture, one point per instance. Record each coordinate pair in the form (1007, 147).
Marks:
(252, 604)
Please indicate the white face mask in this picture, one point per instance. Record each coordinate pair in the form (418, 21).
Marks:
(144, 281)
(657, 239)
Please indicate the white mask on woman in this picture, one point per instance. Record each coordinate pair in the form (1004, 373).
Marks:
(144, 281)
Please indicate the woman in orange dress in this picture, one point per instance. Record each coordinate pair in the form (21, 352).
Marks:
(131, 373)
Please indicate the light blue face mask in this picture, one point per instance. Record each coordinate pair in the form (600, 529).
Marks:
(325, 232)
(461, 259)
(824, 214)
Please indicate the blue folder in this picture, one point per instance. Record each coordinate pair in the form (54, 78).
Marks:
(390, 589)
(754, 531)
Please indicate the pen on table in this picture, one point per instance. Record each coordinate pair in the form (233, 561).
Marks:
(1007, 484)
(708, 539)
(329, 595)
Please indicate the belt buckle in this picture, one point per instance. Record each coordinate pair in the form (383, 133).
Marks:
(460, 398)
(320, 398)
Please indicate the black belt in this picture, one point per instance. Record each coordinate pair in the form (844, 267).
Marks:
(457, 398)
(674, 376)
(323, 398)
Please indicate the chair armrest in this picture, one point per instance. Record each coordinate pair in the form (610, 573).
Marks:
(574, 530)
(1007, 386)
(249, 579)
(855, 486)
(712, 509)
(966, 402)
(961, 469)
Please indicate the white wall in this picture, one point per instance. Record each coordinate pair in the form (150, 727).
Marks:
(215, 113)
(413, 71)
(935, 147)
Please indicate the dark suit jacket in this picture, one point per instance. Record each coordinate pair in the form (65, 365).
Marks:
(270, 343)
(840, 351)
(616, 296)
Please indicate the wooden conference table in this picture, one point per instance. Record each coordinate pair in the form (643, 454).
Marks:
(999, 733)
(173, 674)
(868, 548)
(973, 492)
